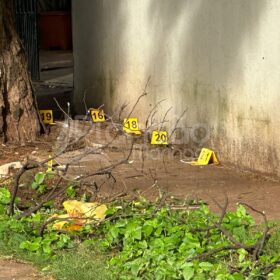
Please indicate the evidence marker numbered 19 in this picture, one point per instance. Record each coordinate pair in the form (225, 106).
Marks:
(97, 115)
(47, 116)
(130, 125)
(159, 138)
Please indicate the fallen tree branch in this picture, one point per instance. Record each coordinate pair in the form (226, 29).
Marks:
(261, 242)
(68, 219)
(255, 250)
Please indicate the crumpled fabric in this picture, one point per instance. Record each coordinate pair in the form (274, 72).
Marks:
(77, 209)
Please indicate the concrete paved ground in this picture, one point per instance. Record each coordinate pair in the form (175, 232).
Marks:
(56, 80)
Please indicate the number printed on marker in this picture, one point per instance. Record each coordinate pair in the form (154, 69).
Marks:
(131, 126)
(97, 115)
(47, 116)
(159, 138)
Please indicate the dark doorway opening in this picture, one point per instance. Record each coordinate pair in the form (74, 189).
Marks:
(45, 29)
(55, 41)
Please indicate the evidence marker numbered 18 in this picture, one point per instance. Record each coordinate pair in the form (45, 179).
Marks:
(97, 115)
(159, 138)
(131, 126)
(47, 116)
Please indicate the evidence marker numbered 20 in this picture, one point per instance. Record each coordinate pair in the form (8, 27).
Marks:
(159, 138)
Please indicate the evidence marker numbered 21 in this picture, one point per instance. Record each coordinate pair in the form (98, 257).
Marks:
(97, 115)
(47, 116)
(159, 138)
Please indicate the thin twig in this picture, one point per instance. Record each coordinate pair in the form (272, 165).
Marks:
(58, 105)
(177, 122)
(164, 118)
(262, 240)
(140, 97)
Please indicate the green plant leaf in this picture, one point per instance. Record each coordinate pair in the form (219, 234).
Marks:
(5, 196)
(30, 246)
(114, 231)
(238, 276)
(206, 266)
(242, 255)
(2, 209)
(147, 230)
(71, 192)
(34, 185)
(188, 272)
(241, 211)
(40, 177)
(42, 189)
(276, 274)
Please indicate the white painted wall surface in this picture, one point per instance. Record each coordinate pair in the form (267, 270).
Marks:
(220, 59)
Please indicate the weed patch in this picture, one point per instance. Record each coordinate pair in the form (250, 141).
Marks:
(144, 240)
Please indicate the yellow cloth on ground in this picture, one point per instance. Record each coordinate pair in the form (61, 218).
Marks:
(83, 210)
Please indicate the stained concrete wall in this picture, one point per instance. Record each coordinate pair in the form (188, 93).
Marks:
(219, 59)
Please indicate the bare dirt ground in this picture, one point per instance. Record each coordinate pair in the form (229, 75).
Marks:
(159, 171)
(13, 270)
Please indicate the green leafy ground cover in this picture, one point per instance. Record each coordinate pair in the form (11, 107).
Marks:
(144, 240)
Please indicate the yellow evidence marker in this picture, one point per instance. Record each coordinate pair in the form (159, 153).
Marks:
(159, 138)
(206, 157)
(50, 165)
(47, 116)
(131, 126)
(97, 115)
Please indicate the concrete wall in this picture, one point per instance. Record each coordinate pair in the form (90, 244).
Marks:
(217, 58)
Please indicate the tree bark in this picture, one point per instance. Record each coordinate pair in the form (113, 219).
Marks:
(19, 121)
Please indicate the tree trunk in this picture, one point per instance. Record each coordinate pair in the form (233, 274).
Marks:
(18, 115)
